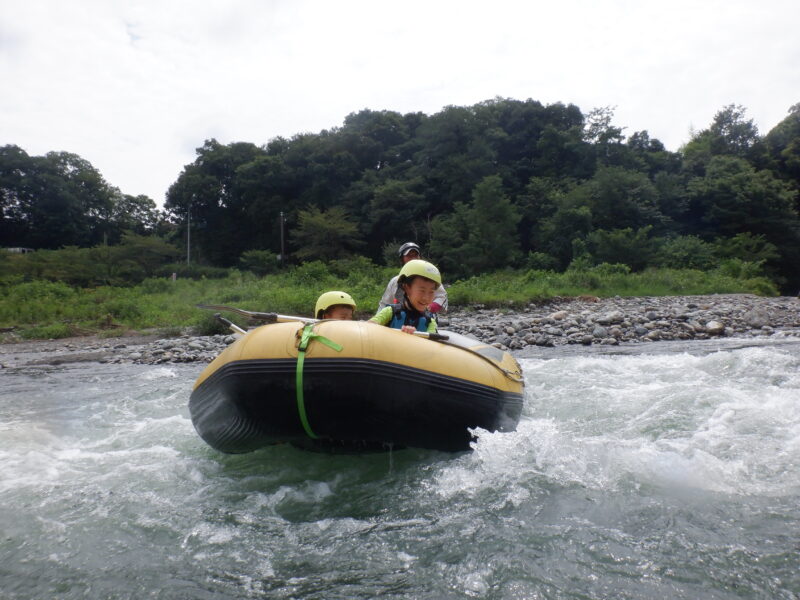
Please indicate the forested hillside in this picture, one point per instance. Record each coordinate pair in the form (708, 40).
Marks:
(503, 183)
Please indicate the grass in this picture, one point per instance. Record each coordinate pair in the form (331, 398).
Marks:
(45, 309)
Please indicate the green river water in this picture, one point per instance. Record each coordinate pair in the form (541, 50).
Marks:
(666, 474)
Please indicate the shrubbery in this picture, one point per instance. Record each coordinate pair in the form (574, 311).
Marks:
(49, 309)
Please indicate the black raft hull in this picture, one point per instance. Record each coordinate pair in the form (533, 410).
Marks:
(353, 399)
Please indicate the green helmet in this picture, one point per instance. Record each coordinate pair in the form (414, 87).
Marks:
(329, 299)
(422, 268)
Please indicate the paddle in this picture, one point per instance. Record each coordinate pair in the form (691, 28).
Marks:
(276, 318)
(257, 316)
(233, 326)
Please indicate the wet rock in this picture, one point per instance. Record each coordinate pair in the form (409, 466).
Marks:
(757, 318)
(715, 328)
(611, 318)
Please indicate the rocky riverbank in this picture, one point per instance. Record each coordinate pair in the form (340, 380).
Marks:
(611, 321)
(585, 320)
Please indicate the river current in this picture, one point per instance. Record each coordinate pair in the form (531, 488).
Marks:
(670, 473)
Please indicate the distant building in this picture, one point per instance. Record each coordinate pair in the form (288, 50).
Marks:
(19, 250)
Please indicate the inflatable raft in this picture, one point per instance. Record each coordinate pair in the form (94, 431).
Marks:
(354, 386)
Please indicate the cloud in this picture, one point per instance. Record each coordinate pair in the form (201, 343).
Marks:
(135, 87)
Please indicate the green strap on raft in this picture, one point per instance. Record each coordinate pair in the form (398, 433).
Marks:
(306, 337)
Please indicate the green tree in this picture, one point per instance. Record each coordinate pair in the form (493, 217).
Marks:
(782, 145)
(480, 236)
(619, 198)
(747, 247)
(148, 252)
(135, 214)
(397, 210)
(559, 232)
(634, 248)
(685, 252)
(730, 134)
(208, 188)
(325, 235)
(732, 197)
(53, 200)
(260, 262)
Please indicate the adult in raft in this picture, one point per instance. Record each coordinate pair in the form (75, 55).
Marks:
(419, 281)
(393, 293)
(335, 305)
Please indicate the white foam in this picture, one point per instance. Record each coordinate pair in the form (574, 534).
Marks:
(159, 373)
(726, 422)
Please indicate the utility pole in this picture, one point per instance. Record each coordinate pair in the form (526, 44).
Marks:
(188, 234)
(283, 255)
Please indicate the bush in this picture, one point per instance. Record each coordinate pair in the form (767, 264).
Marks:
(122, 308)
(53, 331)
(311, 273)
(611, 269)
(633, 248)
(685, 252)
(156, 286)
(259, 262)
(539, 261)
(207, 324)
(741, 269)
(55, 291)
(192, 271)
(350, 267)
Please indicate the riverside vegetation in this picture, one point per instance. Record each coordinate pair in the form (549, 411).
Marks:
(515, 201)
(53, 309)
(500, 184)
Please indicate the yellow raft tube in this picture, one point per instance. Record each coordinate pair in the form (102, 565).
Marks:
(352, 386)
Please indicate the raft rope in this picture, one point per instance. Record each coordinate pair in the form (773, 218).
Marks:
(515, 376)
(306, 337)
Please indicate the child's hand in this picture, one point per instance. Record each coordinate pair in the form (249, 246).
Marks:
(408, 329)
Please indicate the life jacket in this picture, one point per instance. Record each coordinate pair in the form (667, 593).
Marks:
(403, 316)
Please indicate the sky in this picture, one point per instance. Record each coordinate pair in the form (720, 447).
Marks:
(134, 87)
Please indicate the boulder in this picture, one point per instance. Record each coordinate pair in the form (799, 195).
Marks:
(757, 318)
(611, 318)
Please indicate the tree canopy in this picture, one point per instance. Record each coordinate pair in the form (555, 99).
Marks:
(502, 183)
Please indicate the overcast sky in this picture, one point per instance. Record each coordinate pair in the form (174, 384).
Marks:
(134, 87)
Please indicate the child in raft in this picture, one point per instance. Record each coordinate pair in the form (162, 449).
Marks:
(406, 252)
(335, 305)
(419, 281)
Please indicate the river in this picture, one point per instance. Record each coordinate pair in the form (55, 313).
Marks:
(667, 473)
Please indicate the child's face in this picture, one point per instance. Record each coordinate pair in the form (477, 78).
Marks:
(420, 292)
(339, 311)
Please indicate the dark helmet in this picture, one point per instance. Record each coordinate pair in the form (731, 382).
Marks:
(408, 247)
